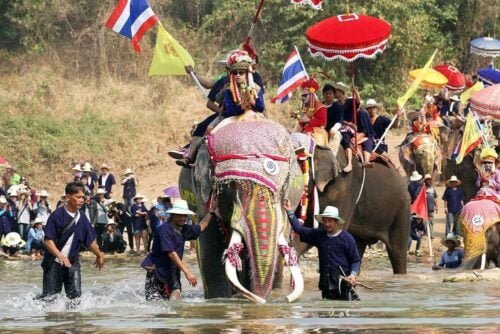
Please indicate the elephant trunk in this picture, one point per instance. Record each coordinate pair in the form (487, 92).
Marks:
(425, 158)
(256, 221)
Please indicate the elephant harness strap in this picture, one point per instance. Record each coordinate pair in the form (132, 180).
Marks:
(219, 158)
(293, 259)
(233, 255)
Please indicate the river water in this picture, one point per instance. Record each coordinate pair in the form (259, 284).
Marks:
(113, 302)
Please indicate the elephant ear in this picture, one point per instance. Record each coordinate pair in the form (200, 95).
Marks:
(406, 153)
(326, 167)
(203, 174)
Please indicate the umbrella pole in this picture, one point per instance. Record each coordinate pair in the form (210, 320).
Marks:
(254, 22)
(355, 116)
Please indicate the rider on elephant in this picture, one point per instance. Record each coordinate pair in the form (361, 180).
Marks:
(379, 123)
(488, 174)
(363, 130)
(238, 96)
(314, 120)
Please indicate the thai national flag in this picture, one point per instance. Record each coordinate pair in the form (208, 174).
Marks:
(294, 74)
(132, 18)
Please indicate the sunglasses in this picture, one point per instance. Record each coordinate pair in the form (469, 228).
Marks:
(305, 95)
(239, 72)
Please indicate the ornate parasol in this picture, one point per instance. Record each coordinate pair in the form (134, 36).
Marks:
(487, 101)
(172, 191)
(485, 46)
(432, 79)
(316, 4)
(456, 79)
(489, 76)
(348, 37)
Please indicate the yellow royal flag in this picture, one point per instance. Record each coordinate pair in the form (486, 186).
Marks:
(416, 83)
(465, 96)
(470, 140)
(169, 57)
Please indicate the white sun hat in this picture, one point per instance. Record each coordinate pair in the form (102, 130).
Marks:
(330, 212)
(415, 176)
(180, 207)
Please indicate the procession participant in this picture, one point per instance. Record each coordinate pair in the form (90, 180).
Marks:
(334, 108)
(314, 120)
(23, 214)
(414, 185)
(98, 214)
(42, 207)
(431, 196)
(34, 244)
(453, 198)
(453, 256)
(337, 252)
(106, 180)
(112, 239)
(77, 172)
(379, 123)
(488, 179)
(93, 180)
(66, 228)
(129, 183)
(164, 263)
(125, 220)
(7, 176)
(85, 181)
(6, 217)
(141, 222)
(241, 96)
(417, 230)
(12, 243)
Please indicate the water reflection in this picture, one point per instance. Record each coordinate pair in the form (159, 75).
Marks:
(113, 302)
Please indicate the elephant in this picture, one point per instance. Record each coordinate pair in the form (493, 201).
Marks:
(421, 153)
(254, 168)
(378, 210)
(480, 220)
(466, 173)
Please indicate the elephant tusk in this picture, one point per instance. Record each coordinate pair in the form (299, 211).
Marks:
(293, 265)
(232, 276)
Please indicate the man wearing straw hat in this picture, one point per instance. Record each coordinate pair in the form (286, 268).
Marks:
(453, 256)
(414, 185)
(66, 229)
(453, 198)
(129, 183)
(164, 263)
(379, 123)
(107, 180)
(338, 255)
(42, 207)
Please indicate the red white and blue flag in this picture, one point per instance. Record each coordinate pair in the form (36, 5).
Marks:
(294, 74)
(132, 18)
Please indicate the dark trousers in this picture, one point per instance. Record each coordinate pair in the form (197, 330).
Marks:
(56, 275)
(130, 233)
(99, 230)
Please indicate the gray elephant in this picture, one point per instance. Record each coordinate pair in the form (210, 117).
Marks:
(373, 201)
(421, 153)
(254, 168)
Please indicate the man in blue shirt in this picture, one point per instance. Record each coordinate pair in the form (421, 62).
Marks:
(164, 263)
(453, 198)
(66, 228)
(452, 258)
(337, 252)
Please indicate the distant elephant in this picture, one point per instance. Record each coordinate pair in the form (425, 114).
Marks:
(382, 211)
(254, 169)
(421, 153)
(480, 220)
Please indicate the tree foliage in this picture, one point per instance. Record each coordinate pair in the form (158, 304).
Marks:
(72, 33)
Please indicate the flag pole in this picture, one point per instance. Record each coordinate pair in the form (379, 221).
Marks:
(429, 240)
(387, 130)
(301, 62)
(254, 21)
(193, 76)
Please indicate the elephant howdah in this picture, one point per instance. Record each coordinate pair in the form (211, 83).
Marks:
(254, 167)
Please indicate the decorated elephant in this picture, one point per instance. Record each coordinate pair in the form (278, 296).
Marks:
(246, 169)
(480, 220)
(374, 201)
(421, 153)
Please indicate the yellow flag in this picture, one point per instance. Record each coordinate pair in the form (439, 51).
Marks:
(470, 139)
(465, 96)
(169, 57)
(416, 83)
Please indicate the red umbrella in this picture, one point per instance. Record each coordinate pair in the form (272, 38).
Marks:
(316, 4)
(456, 80)
(348, 37)
(487, 101)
